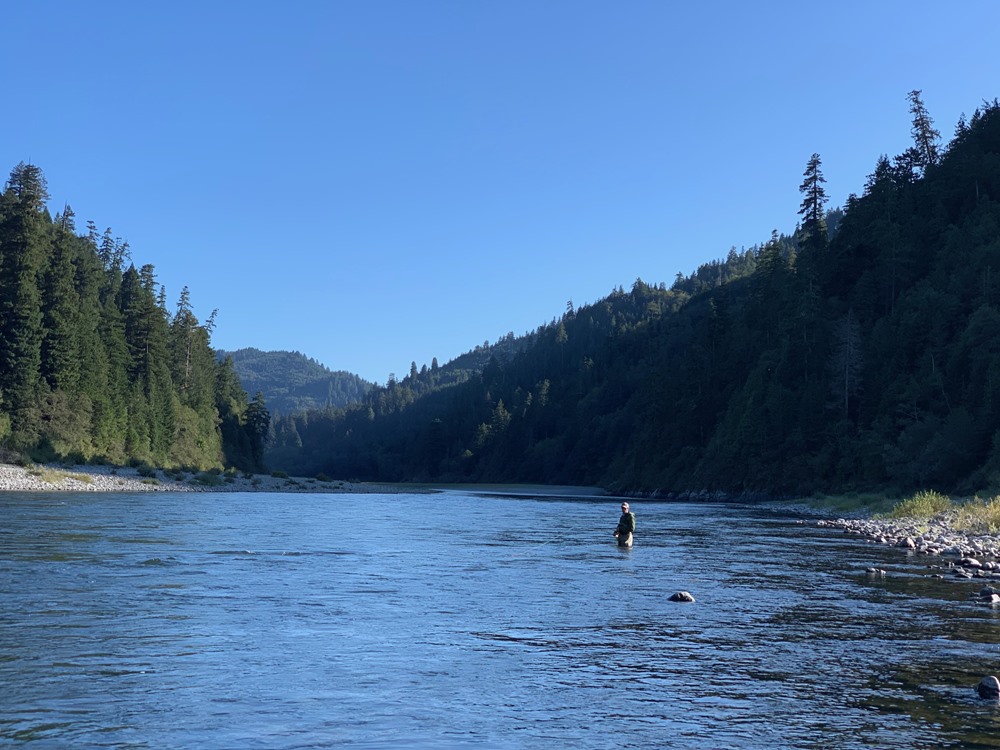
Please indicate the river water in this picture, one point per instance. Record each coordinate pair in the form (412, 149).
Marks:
(456, 620)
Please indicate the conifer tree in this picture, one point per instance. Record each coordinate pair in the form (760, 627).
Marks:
(258, 422)
(925, 151)
(24, 243)
(61, 363)
(146, 338)
(813, 205)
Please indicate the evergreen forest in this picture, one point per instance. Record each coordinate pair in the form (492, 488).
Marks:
(94, 366)
(292, 382)
(861, 351)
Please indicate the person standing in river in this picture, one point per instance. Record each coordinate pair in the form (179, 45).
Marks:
(626, 525)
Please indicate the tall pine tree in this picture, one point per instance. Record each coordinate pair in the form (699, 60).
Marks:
(24, 242)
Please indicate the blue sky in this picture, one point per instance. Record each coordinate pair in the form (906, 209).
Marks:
(378, 182)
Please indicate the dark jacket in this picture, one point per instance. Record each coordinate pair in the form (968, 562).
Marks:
(626, 524)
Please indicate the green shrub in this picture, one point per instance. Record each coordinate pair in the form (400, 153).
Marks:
(208, 479)
(43, 453)
(279, 474)
(979, 516)
(321, 477)
(922, 505)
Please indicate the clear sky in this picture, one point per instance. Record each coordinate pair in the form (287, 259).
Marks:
(375, 182)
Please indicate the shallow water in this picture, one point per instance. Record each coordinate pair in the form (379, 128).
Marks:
(453, 620)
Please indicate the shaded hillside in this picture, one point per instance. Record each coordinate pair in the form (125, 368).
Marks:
(471, 363)
(292, 382)
(864, 359)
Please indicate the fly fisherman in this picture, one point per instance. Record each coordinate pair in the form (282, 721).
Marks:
(626, 525)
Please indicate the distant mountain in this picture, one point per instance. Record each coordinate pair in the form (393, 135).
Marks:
(292, 382)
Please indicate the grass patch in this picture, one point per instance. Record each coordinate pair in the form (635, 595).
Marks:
(56, 476)
(208, 479)
(924, 504)
(849, 503)
(979, 516)
(50, 476)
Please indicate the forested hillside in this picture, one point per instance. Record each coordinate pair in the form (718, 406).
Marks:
(93, 365)
(292, 382)
(864, 358)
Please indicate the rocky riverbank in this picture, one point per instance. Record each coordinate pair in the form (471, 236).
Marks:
(932, 536)
(88, 478)
(965, 556)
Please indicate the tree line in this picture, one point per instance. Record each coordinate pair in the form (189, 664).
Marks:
(861, 351)
(93, 364)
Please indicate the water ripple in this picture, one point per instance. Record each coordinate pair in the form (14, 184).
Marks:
(478, 622)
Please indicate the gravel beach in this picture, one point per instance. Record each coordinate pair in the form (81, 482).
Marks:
(87, 478)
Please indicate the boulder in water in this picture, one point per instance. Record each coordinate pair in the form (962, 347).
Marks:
(681, 596)
(989, 687)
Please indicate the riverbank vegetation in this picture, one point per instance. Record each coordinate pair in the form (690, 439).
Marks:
(94, 366)
(860, 352)
(922, 505)
(966, 515)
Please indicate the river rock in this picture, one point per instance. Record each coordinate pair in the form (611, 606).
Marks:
(989, 687)
(681, 596)
(906, 543)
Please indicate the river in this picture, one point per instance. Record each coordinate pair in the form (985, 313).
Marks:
(279, 621)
